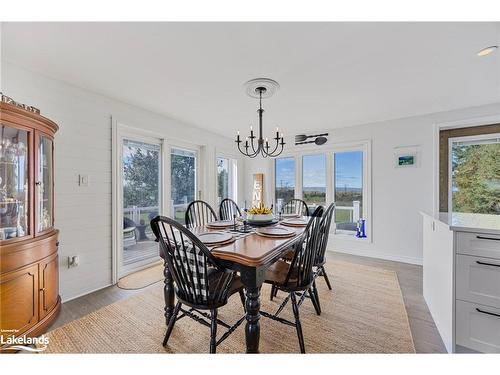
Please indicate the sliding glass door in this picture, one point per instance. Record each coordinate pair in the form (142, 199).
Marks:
(183, 188)
(141, 183)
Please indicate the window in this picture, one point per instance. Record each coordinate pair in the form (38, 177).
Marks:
(314, 180)
(226, 179)
(475, 174)
(183, 181)
(284, 181)
(446, 154)
(348, 189)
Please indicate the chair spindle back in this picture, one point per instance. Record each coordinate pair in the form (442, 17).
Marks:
(228, 208)
(295, 206)
(199, 213)
(191, 264)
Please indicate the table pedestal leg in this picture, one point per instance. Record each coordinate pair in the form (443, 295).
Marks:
(252, 329)
(168, 291)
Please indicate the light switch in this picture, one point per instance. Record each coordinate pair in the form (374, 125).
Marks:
(83, 180)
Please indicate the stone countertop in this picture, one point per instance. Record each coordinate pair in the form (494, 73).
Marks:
(468, 222)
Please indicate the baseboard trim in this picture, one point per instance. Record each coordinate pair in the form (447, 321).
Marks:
(64, 300)
(377, 255)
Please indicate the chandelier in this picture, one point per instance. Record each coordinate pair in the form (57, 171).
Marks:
(261, 88)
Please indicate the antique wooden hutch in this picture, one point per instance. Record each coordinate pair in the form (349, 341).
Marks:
(29, 277)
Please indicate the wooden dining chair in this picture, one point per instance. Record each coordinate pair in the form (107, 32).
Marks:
(295, 206)
(319, 263)
(199, 213)
(228, 208)
(296, 278)
(201, 282)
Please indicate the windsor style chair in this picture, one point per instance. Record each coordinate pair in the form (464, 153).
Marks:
(201, 282)
(296, 278)
(199, 213)
(319, 263)
(228, 208)
(295, 206)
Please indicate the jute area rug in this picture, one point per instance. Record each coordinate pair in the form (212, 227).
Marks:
(143, 278)
(364, 313)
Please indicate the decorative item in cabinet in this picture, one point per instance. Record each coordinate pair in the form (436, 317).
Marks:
(28, 240)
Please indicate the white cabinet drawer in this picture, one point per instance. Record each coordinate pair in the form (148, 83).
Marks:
(477, 327)
(478, 280)
(482, 245)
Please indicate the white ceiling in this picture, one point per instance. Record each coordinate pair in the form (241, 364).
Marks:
(331, 74)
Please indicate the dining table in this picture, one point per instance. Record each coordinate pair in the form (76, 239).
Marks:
(250, 255)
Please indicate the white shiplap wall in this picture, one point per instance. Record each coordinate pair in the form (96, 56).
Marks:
(83, 146)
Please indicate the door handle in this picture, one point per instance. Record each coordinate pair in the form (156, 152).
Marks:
(487, 238)
(487, 312)
(487, 264)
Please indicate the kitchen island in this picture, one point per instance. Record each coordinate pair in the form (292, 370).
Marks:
(461, 283)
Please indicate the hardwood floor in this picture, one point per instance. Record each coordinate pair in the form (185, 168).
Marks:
(425, 334)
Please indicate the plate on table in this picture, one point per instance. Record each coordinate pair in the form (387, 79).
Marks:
(260, 223)
(276, 232)
(289, 216)
(215, 238)
(220, 224)
(298, 222)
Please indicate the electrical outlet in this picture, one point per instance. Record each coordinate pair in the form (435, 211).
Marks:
(83, 180)
(73, 261)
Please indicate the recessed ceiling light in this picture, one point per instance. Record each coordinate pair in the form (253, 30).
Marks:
(487, 50)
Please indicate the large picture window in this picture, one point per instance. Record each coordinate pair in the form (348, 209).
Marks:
(475, 174)
(340, 175)
(284, 178)
(314, 180)
(348, 189)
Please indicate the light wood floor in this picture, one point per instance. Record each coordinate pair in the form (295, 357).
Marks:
(425, 334)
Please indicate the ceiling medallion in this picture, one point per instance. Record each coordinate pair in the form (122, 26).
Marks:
(261, 88)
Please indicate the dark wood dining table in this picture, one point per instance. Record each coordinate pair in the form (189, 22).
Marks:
(250, 256)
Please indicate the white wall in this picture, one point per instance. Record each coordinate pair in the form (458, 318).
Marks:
(83, 146)
(398, 194)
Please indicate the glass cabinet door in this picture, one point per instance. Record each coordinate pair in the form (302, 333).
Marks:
(44, 183)
(14, 177)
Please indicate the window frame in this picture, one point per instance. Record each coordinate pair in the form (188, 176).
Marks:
(232, 177)
(273, 177)
(451, 140)
(363, 145)
(197, 176)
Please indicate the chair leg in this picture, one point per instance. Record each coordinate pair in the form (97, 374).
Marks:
(316, 294)
(276, 292)
(171, 323)
(314, 300)
(323, 272)
(298, 326)
(213, 331)
(272, 293)
(243, 300)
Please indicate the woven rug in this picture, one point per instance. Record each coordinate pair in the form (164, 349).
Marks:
(364, 313)
(143, 278)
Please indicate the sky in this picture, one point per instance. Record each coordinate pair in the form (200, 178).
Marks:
(349, 171)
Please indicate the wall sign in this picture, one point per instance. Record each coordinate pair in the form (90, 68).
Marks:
(258, 189)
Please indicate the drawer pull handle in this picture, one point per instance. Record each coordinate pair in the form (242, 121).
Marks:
(487, 238)
(487, 312)
(487, 264)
